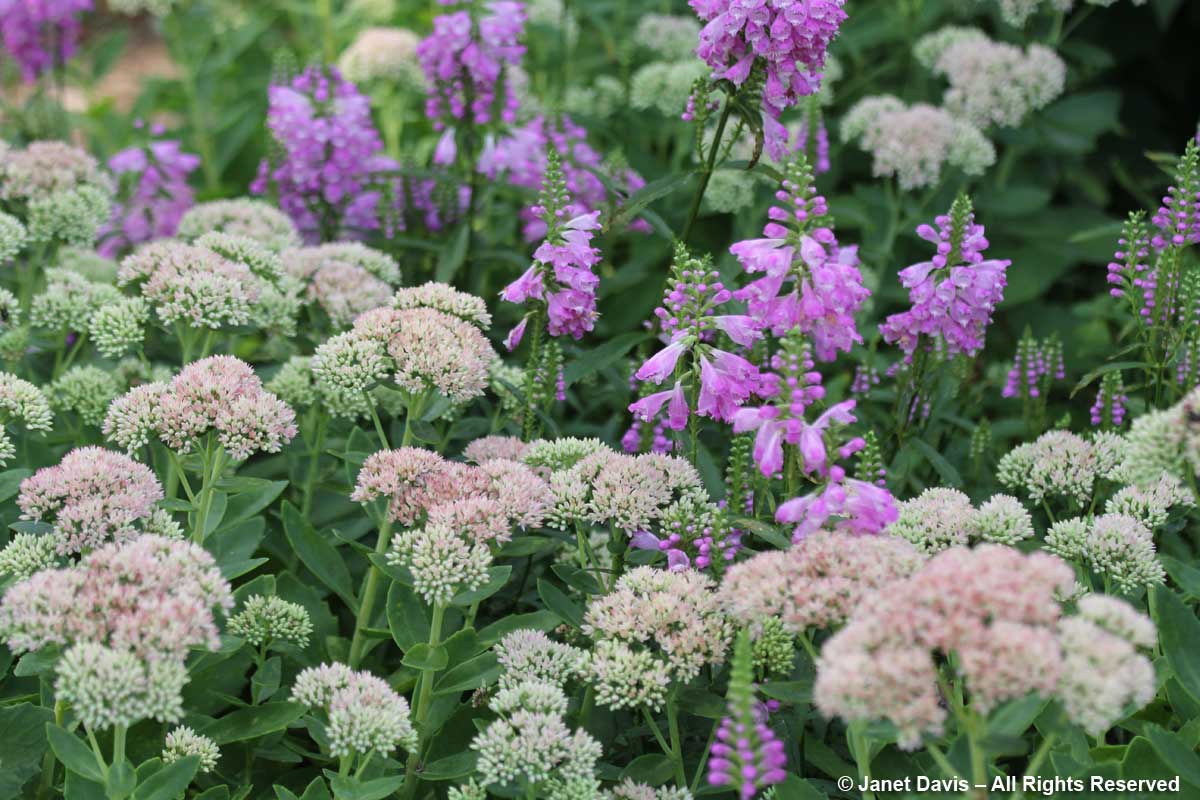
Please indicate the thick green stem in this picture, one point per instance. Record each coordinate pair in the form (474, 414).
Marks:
(314, 462)
(214, 464)
(709, 166)
(862, 756)
(424, 700)
(1035, 762)
(366, 601)
(379, 431)
(676, 743)
(46, 785)
(100, 762)
(119, 745)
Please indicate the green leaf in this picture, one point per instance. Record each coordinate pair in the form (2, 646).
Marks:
(596, 359)
(10, 482)
(121, 780)
(406, 617)
(253, 722)
(794, 692)
(426, 657)
(21, 746)
(73, 753)
(700, 702)
(652, 768)
(453, 254)
(944, 468)
(642, 198)
(216, 513)
(528, 546)
(471, 674)
(541, 620)
(321, 558)
(579, 579)
(794, 788)
(215, 793)
(266, 680)
(554, 598)
(1015, 717)
(1185, 575)
(450, 768)
(347, 788)
(252, 496)
(170, 782)
(497, 577)
(1179, 631)
(1090, 378)
(1175, 754)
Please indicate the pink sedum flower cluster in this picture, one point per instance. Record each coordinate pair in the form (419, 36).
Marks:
(92, 496)
(220, 395)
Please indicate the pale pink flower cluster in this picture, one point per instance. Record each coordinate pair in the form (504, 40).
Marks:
(364, 713)
(92, 496)
(673, 619)
(220, 395)
(447, 299)
(344, 278)
(530, 655)
(1103, 671)
(491, 448)
(421, 349)
(192, 285)
(993, 607)
(151, 596)
(627, 492)
(419, 483)
(817, 583)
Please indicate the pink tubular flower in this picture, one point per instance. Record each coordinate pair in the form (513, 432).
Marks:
(155, 194)
(953, 295)
(39, 35)
(787, 37)
(561, 276)
(649, 406)
(465, 60)
(855, 507)
(92, 496)
(809, 282)
(331, 151)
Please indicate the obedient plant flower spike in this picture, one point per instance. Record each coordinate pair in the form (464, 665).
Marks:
(1178, 218)
(41, 37)
(560, 283)
(748, 756)
(155, 193)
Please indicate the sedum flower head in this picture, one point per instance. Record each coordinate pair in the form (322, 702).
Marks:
(69, 300)
(1122, 548)
(85, 391)
(447, 299)
(219, 394)
(294, 383)
(675, 616)
(47, 168)
(991, 606)
(109, 687)
(191, 285)
(20, 401)
(492, 448)
(667, 36)
(253, 219)
(28, 553)
(305, 262)
(91, 497)
(13, 237)
(1151, 504)
(364, 713)
(530, 655)
(629, 789)
(71, 216)
(266, 620)
(150, 595)
(434, 351)
(119, 327)
(443, 561)
(1058, 465)
(936, 520)
(915, 143)
(183, 742)
(531, 745)
(558, 455)
(412, 480)
(1002, 520)
(991, 83)
(382, 54)
(816, 583)
(1104, 674)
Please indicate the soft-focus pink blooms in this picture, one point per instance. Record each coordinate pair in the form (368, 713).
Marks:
(649, 406)
(92, 496)
(514, 337)
(151, 595)
(854, 506)
(661, 365)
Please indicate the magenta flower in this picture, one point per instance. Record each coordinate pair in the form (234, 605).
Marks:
(855, 506)
(662, 364)
(788, 38)
(953, 295)
(40, 35)
(649, 407)
(809, 282)
(155, 195)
